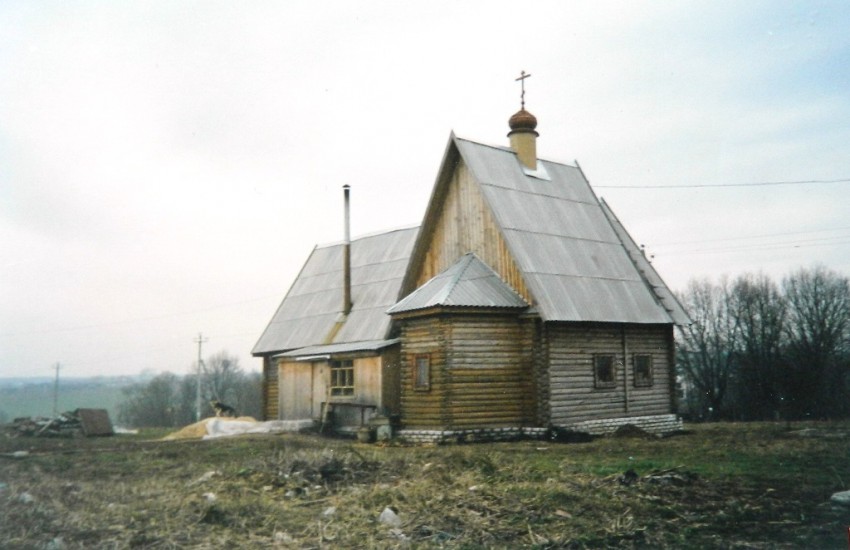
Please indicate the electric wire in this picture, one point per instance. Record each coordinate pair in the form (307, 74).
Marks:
(722, 185)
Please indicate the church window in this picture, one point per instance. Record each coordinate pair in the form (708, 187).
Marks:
(422, 372)
(604, 371)
(643, 371)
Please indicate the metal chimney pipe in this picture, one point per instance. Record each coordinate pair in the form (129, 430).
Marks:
(346, 255)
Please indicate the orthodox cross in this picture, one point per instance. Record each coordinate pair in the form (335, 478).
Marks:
(521, 79)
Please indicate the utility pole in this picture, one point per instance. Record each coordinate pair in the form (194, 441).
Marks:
(56, 392)
(200, 341)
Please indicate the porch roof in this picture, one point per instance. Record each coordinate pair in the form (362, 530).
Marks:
(332, 349)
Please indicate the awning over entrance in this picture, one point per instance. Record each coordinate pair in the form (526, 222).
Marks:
(311, 353)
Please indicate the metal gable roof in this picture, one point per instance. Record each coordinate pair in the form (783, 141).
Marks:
(469, 282)
(312, 306)
(573, 253)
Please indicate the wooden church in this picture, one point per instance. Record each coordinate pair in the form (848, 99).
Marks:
(519, 305)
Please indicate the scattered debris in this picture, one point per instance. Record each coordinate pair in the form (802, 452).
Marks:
(564, 435)
(842, 498)
(94, 422)
(399, 534)
(88, 422)
(282, 537)
(210, 497)
(16, 454)
(26, 498)
(630, 430)
(330, 511)
(820, 433)
(125, 431)
(671, 476)
(390, 517)
(206, 477)
(628, 478)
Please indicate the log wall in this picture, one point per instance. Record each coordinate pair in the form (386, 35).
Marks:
(423, 407)
(270, 389)
(572, 395)
(481, 371)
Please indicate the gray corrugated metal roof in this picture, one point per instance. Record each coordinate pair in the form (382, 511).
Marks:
(312, 306)
(469, 282)
(653, 280)
(572, 254)
(348, 347)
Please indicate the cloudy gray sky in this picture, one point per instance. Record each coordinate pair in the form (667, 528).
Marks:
(166, 167)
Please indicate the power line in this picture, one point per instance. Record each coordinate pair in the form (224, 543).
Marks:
(705, 185)
(760, 247)
(747, 237)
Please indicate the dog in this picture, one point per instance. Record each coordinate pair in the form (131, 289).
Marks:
(223, 410)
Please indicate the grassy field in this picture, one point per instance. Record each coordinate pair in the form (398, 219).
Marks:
(716, 486)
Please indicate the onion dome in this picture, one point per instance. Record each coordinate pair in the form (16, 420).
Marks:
(522, 120)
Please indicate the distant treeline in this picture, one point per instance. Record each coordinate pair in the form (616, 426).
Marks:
(171, 400)
(760, 350)
(34, 397)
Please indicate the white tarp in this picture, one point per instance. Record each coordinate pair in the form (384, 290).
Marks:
(223, 427)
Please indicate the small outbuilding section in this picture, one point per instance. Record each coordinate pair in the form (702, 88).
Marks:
(327, 365)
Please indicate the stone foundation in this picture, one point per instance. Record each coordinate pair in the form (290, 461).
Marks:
(657, 424)
(512, 433)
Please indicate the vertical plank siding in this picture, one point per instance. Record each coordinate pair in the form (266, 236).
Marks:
(466, 225)
(481, 372)
(572, 395)
(391, 377)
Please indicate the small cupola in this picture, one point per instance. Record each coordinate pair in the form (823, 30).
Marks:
(523, 132)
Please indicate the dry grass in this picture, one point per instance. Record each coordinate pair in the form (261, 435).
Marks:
(721, 486)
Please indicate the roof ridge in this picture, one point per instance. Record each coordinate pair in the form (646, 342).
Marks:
(468, 257)
(507, 149)
(370, 235)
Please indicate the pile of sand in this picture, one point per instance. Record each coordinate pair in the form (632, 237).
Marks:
(199, 429)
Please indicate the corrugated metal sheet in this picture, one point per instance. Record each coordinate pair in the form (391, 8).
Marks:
(348, 347)
(469, 282)
(312, 306)
(576, 258)
(651, 277)
(573, 255)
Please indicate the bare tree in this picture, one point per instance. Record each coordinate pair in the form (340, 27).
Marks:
(706, 347)
(152, 403)
(221, 377)
(818, 329)
(758, 312)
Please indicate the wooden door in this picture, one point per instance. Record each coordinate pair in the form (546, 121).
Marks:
(296, 388)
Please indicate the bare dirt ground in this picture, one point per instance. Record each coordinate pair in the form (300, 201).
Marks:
(716, 486)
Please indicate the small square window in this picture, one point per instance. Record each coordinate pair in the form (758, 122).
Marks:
(422, 372)
(643, 371)
(604, 371)
(342, 377)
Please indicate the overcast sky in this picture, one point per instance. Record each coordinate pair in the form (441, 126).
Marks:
(166, 167)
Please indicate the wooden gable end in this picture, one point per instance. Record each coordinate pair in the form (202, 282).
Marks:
(460, 221)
